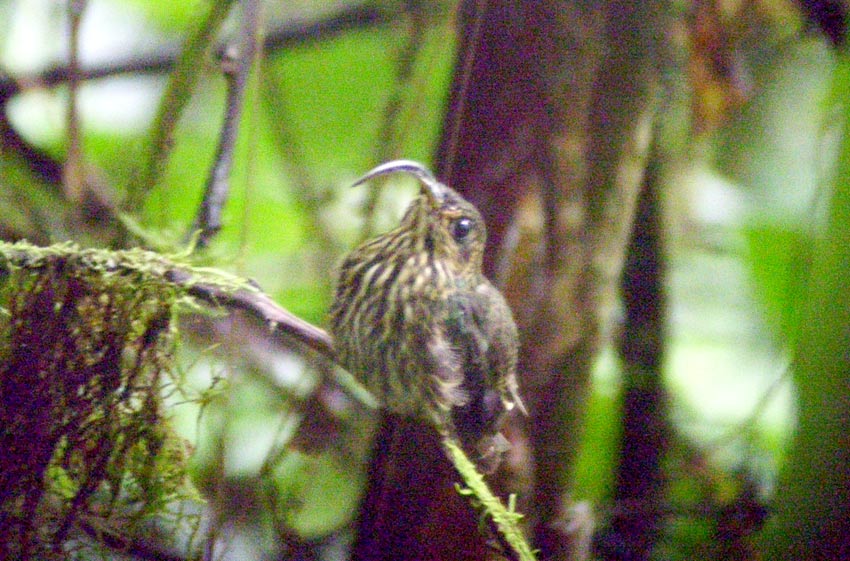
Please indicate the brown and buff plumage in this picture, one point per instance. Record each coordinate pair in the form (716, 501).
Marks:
(415, 320)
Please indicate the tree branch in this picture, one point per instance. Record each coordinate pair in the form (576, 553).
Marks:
(72, 179)
(282, 324)
(222, 290)
(289, 35)
(211, 286)
(237, 62)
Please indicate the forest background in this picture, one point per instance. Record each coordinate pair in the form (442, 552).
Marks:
(666, 190)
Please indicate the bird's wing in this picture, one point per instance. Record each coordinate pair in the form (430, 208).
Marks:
(495, 319)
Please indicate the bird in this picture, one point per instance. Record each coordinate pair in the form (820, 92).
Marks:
(415, 320)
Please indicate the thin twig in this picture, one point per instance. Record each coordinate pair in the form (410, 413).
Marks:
(72, 177)
(212, 286)
(288, 35)
(177, 93)
(291, 34)
(237, 62)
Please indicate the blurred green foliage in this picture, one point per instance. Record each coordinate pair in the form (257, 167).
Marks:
(315, 119)
(813, 497)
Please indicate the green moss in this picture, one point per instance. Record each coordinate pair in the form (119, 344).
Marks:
(86, 342)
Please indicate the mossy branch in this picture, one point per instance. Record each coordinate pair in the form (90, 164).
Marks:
(506, 519)
(123, 301)
(87, 340)
(86, 344)
(211, 286)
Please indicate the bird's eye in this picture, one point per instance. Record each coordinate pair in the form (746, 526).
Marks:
(461, 228)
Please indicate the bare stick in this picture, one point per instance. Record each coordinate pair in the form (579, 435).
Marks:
(72, 177)
(237, 61)
(281, 323)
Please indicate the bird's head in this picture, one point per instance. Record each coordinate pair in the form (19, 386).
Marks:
(451, 228)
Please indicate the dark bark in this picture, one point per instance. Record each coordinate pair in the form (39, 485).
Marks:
(829, 16)
(634, 527)
(546, 107)
(412, 509)
(500, 117)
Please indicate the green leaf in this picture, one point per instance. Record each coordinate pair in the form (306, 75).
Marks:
(779, 258)
(813, 496)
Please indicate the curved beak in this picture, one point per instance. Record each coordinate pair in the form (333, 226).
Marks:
(431, 187)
